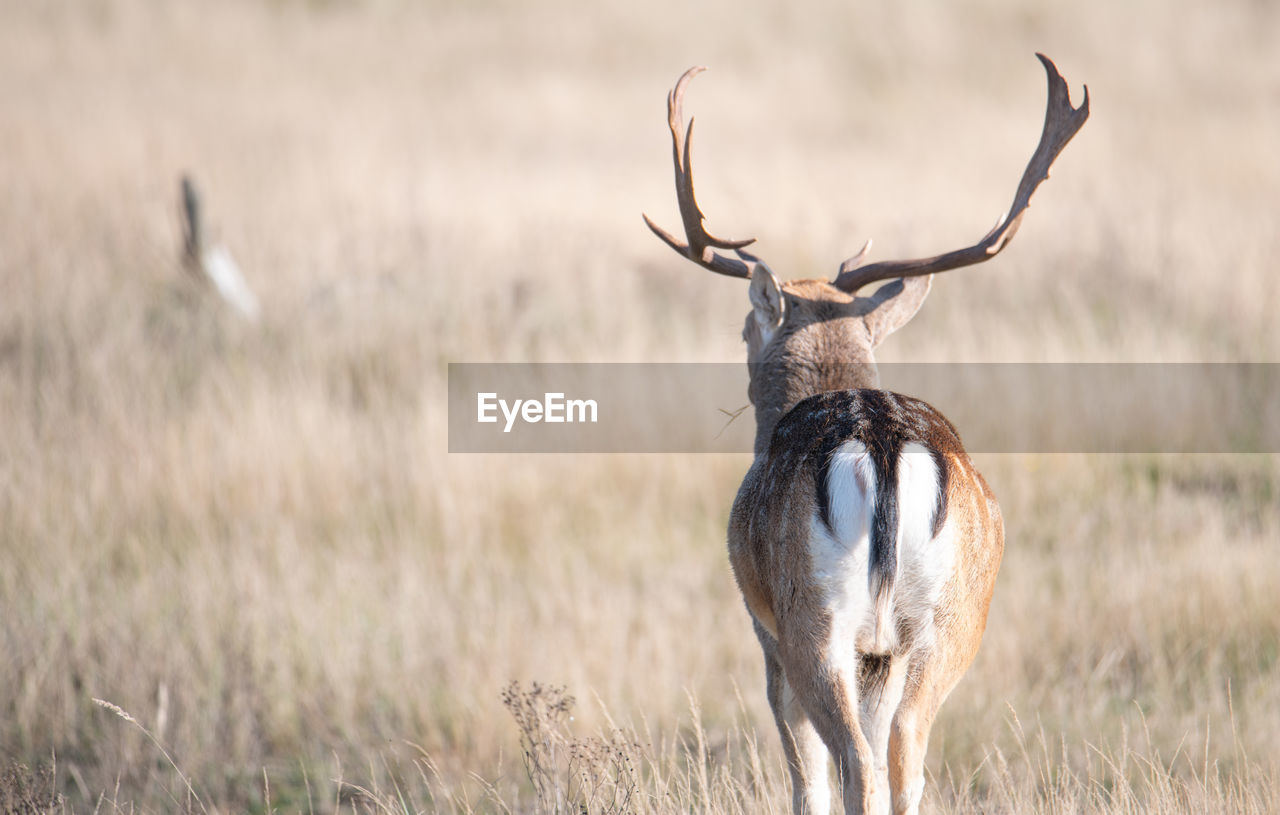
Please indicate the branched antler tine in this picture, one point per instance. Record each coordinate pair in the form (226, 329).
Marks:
(667, 237)
(700, 242)
(1061, 122)
(691, 212)
(854, 262)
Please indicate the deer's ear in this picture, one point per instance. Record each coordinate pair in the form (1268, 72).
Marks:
(767, 305)
(894, 304)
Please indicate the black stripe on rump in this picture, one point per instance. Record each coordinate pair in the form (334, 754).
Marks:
(944, 481)
(883, 423)
(885, 445)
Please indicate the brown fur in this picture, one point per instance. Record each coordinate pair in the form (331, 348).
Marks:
(805, 339)
(823, 345)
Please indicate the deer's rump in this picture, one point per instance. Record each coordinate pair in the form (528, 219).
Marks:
(862, 540)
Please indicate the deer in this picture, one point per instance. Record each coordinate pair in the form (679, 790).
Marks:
(863, 539)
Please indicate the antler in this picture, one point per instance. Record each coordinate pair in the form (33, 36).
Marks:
(1061, 122)
(700, 247)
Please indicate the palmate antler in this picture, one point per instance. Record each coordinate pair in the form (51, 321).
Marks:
(1062, 121)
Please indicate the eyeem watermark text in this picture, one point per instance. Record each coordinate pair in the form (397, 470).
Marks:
(552, 408)
(1042, 408)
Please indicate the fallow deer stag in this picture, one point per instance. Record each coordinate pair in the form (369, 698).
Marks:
(864, 541)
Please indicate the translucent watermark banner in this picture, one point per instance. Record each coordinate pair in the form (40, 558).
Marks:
(998, 408)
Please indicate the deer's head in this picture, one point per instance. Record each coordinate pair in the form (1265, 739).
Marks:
(808, 336)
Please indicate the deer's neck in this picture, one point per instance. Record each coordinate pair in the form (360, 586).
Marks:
(779, 383)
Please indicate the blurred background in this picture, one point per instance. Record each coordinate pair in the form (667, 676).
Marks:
(249, 536)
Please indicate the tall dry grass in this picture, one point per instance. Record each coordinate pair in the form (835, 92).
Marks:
(251, 540)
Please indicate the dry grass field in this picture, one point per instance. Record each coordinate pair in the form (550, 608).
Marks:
(250, 538)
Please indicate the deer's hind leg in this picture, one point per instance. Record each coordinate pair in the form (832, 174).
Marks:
(882, 680)
(826, 687)
(806, 754)
(908, 741)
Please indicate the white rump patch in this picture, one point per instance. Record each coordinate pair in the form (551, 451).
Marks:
(840, 554)
(851, 491)
(924, 562)
(917, 494)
